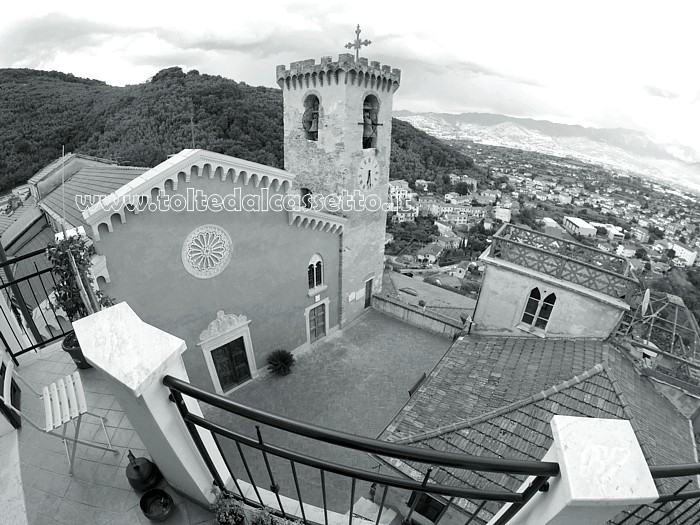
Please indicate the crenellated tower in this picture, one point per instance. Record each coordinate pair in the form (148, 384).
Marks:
(337, 138)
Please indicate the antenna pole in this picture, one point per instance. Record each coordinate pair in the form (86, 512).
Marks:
(63, 190)
(192, 128)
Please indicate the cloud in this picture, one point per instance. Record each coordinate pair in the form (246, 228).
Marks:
(260, 45)
(177, 58)
(658, 92)
(31, 43)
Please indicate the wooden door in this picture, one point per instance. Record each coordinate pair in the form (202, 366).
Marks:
(231, 364)
(368, 293)
(317, 323)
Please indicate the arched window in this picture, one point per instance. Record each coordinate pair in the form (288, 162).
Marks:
(311, 115)
(537, 311)
(306, 197)
(370, 122)
(315, 272)
(319, 273)
(533, 304)
(312, 277)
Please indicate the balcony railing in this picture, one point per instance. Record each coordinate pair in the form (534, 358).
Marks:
(569, 261)
(257, 459)
(26, 283)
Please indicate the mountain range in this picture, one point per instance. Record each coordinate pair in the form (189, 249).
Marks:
(620, 149)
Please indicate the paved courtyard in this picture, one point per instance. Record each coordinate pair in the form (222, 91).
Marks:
(355, 382)
(98, 492)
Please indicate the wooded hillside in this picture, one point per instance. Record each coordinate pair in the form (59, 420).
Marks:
(142, 124)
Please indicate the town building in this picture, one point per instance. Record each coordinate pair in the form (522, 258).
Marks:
(405, 213)
(469, 181)
(577, 226)
(626, 250)
(684, 252)
(615, 233)
(429, 254)
(398, 192)
(454, 179)
(421, 184)
(501, 214)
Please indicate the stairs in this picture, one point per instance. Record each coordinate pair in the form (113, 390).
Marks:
(367, 510)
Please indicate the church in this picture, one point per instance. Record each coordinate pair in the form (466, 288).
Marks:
(237, 285)
(558, 328)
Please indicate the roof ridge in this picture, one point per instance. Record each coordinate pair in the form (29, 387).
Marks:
(112, 166)
(540, 396)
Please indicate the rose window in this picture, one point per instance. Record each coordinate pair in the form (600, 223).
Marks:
(207, 251)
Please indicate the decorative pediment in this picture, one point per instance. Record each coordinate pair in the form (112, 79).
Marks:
(223, 324)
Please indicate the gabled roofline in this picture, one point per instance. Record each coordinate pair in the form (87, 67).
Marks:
(202, 163)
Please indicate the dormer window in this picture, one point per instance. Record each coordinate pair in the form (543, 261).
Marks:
(370, 122)
(310, 118)
(538, 311)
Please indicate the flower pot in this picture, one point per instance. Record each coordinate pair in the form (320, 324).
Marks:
(71, 346)
(156, 504)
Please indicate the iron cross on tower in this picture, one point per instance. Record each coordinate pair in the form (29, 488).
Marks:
(357, 44)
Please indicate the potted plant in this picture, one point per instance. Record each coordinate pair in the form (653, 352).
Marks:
(73, 293)
(280, 362)
(227, 510)
(262, 517)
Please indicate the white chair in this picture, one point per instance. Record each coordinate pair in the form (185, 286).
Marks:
(64, 401)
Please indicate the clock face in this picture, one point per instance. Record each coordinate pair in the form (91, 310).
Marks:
(368, 174)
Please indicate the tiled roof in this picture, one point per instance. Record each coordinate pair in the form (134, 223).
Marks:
(430, 249)
(43, 172)
(36, 289)
(7, 220)
(31, 214)
(49, 168)
(496, 397)
(90, 180)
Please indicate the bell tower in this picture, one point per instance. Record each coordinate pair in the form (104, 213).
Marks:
(337, 141)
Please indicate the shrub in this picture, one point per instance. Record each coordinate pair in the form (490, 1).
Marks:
(227, 510)
(280, 362)
(70, 259)
(262, 517)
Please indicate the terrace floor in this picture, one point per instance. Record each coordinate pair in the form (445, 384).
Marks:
(98, 492)
(356, 382)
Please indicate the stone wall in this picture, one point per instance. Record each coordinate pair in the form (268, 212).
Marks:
(330, 165)
(417, 316)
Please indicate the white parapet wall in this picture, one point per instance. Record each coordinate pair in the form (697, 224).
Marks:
(134, 357)
(602, 472)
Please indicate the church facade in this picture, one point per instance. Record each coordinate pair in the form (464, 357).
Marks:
(240, 259)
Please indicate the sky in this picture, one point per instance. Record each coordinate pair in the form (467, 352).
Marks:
(630, 64)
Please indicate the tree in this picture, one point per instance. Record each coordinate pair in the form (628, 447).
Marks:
(463, 188)
(641, 253)
(671, 253)
(655, 234)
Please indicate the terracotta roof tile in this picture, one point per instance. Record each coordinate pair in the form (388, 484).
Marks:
(90, 181)
(496, 397)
